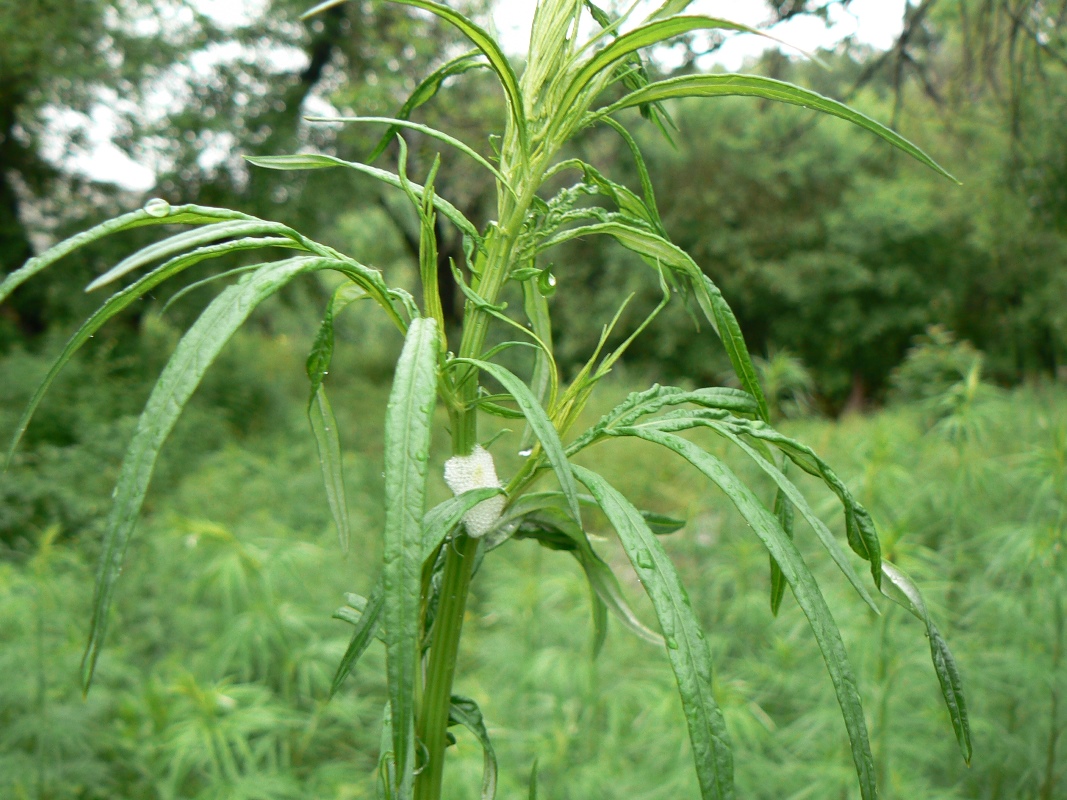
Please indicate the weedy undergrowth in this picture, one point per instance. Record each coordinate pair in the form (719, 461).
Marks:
(569, 84)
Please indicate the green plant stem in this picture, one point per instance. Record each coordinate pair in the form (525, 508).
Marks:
(433, 722)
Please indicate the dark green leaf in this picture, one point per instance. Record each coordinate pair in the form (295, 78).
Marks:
(408, 425)
(903, 591)
(366, 630)
(805, 590)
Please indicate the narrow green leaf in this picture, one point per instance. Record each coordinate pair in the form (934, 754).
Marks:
(903, 591)
(366, 630)
(645, 36)
(408, 425)
(464, 711)
(793, 495)
(113, 306)
(426, 90)
(444, 517)
(783, 512)
(315, 161)
(185, 241)
(768, 89)
(194, 354)
(328, 444)
(598, 573)
(641, 404)
(135, 219)
(533, 782)
(805, 590)
(733, 340)
(539, 422)
(658, 251)
(484, 42)
(686, 645)
(433, 133)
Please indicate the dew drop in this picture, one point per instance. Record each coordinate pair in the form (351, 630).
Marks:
(551, 280)
(526, 453)
(644, 559)
(157, 207)
(672, 643)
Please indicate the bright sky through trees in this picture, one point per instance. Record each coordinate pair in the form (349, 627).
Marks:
(875, 22)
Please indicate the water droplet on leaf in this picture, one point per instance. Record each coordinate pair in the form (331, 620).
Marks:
(157, 207)
(526, 453)
(672, 643)
(644, 559)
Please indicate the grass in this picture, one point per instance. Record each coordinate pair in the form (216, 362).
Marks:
(217, 685)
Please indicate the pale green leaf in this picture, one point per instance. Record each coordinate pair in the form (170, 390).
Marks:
(194, 354)
(686, 645)
(366, 630)
(315, 161)
(768, 89)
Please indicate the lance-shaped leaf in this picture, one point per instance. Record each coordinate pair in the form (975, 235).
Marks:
(481, 39)
(783, 511)
(366, 630)
(408, 425)
(768, 89)
(903, 591)
(320, 414)
(645, 36)
(185, 241)
(437, 523)
(641, 404)
(195, 353)
(805, 590)
(540, 423)
(433, 133)
(120, 300)
(464, 711)
(317, 161)
(426, 90)
(791, 493)
(160, 214)
(659, 252)
(687, 647)
(564, 533)
(862, 535)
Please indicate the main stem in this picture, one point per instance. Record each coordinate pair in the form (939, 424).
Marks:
(432, 723)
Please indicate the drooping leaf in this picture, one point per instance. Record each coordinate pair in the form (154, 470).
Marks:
(426, 90)
(366, 630)
(464, 711)
(768, 89)
(686, 645)
(117, 303)
(184, 242)
(903, 591)
(328, 444)
(433, 133)
(408, 424)
(194, 354)
(783, 511)
(805, 590)
(184, 214)
(792, 495)
(316, 161)
(570, 536)
(539, 422)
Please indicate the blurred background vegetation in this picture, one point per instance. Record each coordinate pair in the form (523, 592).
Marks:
(865, 283)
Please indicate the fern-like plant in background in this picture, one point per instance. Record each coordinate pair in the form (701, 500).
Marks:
(417, 607)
